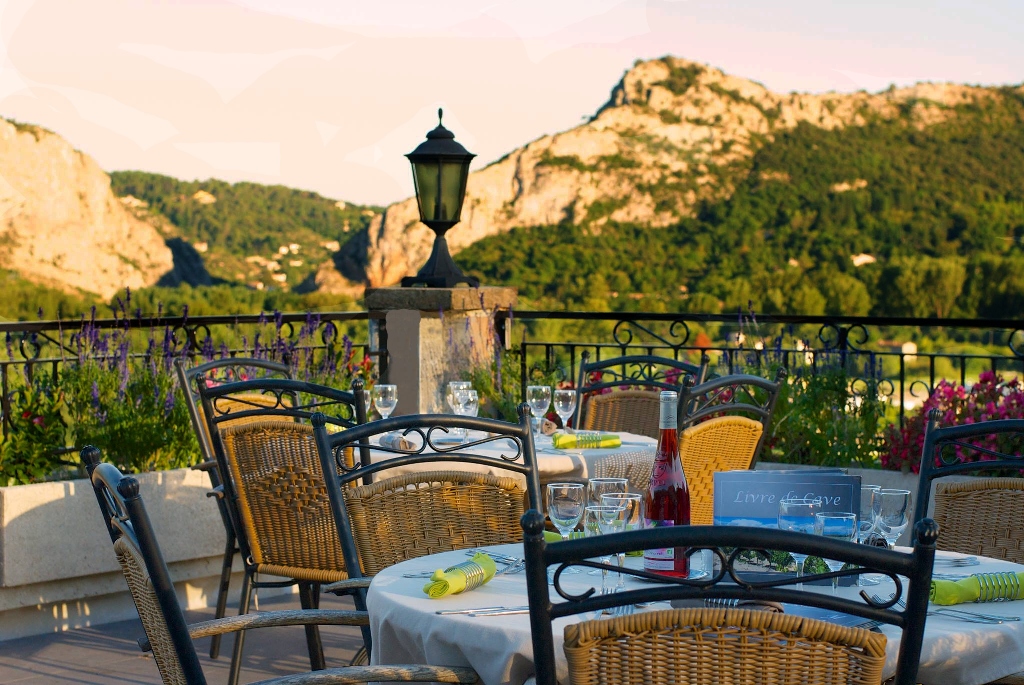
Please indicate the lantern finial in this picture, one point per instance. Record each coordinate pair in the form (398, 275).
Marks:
(440, 113)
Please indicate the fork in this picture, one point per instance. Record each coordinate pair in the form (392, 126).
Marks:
(968, 616)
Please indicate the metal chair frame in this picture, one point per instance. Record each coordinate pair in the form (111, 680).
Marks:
(935, 465)
(287, 405)
(424, 426)
(730, 395)
(125, 517)
(646, 371)
(727, 543)
(187, 379)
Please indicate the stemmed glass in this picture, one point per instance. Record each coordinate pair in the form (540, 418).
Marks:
(866, 527)
(456, 397)
(385, 399)
(539, 399)
(593, 525)
(565, 405)
(632, 506)
(469, 407)
(891, 509)
(797, 515)
(565, 509)
(838, 527)
(613, 520)
(598, 487)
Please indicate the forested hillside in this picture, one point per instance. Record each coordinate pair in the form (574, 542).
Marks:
(888, 218)
(239, 229)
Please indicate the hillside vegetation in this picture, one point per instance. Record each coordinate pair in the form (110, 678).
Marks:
(887, 218)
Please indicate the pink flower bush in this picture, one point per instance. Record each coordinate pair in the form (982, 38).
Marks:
(990, 399)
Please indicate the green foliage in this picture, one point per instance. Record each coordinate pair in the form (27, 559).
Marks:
(827, 418)
(667, 116)
(38, 428)
(565, 161)
(941, 210)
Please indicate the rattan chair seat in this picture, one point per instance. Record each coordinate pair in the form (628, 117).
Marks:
(283, 501)
(709, 646)
(636, 467)
(724, 443)
(633, 411)
(417, 514)
(983, 516)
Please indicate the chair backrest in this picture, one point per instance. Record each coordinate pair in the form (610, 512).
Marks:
(982, 516)
(722, 644)
(423, 510)
(227, 370)
(722, 443)
(274, 487)
(975, 447)
(616, 394)
(745, 395)
(142, 563)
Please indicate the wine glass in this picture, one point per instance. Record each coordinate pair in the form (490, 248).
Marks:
(565, 509)
(602, 486)
(470, 407)
(455, 388)
(613, 520)
(385, 399)
(838, 527)
(592, 525)
(565, 405)
(797, 515)
(866, 526)
(891, 509)
(539, 399)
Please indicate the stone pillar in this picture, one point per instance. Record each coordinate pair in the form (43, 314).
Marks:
(434, 335)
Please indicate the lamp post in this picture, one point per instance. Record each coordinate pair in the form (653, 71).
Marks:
(440, 167)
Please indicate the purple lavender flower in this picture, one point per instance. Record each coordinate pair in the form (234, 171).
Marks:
(10, 346)
(95, 396)
(278, 319)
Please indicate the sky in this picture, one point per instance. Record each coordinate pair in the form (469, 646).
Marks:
(328, 95)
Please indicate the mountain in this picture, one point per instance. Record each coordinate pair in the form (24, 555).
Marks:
(60, 224)
(674, 138)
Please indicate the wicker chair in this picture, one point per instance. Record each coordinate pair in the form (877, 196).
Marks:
(702, 645)
(429, 511)
(608, 397)
(981, 516)
(636, 467)
(273, 487)
(723, 443)
(221, 370)
(167, 634)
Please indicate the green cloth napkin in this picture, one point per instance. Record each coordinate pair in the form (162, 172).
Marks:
(947, 592)
(567, 441)
(444, 583)
(552, 536)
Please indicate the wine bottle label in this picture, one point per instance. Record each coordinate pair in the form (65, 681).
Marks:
(662, 559)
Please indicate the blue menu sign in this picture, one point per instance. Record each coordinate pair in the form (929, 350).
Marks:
(751, 498)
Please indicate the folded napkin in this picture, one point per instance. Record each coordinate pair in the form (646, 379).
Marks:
(453, 580)
(552, 536)
(592, 439)
(948, 592)
(396, 441)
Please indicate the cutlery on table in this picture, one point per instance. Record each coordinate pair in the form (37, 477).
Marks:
(478, 610)
(950, 612)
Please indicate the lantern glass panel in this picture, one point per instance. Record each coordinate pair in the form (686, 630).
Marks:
(426, 177)
(452, 188)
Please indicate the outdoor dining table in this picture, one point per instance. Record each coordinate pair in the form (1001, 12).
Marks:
(407, 629)
(553, 464)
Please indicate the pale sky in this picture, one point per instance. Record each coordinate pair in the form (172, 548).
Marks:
(327, 95)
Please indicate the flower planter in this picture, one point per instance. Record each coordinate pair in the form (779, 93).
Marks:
(57, 566)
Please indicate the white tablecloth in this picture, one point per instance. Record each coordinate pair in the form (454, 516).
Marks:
(406, 628)
(553, 464)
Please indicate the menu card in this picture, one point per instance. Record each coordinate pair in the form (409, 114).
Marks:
(751, 498)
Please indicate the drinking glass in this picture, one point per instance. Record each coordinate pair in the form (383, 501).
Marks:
(565, 509)
(838, 527)
(632, 506)
(891, 509)
(456, 396)
(797, 514)
(866, 526)
(602, 486)
(469, 407)
(385, 399)
(593, 525)
(565, 405)
(539, 399)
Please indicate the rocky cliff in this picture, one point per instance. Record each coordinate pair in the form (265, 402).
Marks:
(60, 225)
(661, 143)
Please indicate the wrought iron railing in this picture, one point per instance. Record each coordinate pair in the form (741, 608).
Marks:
(27, 346)
(904, 375)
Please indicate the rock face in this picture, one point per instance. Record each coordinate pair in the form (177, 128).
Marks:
(647, 156)
(60, 224)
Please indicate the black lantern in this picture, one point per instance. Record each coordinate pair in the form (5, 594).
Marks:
(440, 167)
